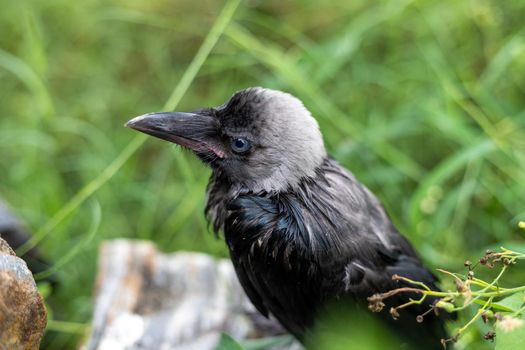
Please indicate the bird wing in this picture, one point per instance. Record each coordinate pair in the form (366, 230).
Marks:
(375, 251)
(325, 240)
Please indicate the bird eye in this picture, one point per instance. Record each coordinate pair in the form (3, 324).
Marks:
(240, 145)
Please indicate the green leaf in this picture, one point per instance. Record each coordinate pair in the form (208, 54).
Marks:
(267, 343)
(507, 339)
(511, 304)
(228, 343)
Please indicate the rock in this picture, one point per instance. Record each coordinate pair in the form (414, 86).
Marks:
(23, 316)
(149, 300)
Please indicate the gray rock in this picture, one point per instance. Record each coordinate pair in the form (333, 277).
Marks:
(149, 300)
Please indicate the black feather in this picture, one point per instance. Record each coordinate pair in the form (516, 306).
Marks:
(327, 240)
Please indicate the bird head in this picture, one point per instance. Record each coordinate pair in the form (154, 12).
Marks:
(260, 139)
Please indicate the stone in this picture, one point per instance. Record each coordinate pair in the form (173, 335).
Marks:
(149, 300)
(23, 316)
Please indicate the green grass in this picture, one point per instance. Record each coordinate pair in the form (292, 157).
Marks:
(423, 100)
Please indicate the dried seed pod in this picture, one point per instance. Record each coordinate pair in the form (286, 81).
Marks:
(487, 316)
(490, 335)
(375, 303)
(461, 286)
(394, 313)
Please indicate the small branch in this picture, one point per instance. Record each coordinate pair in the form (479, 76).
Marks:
(448, 301)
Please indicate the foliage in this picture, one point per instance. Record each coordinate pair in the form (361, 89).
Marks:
(422, 100)
(226, 342)
(501, 307)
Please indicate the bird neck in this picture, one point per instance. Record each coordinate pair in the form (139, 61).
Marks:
(221, 191)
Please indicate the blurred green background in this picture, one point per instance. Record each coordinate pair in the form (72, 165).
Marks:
(423, 100)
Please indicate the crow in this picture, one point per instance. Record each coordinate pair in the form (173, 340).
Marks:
(302, 231)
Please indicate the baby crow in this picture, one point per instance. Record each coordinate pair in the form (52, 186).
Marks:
(301, 230)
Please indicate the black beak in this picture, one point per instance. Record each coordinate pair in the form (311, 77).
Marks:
(195, 131)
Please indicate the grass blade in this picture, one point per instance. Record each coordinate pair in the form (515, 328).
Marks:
(189, 75)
